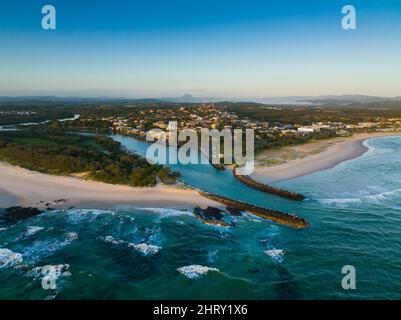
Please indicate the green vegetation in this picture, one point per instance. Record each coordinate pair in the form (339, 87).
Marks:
(307, 115)
(16, 114)
(98, 126)
(95, 157)
(93, 113)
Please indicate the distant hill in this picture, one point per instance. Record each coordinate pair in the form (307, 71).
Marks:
(304, 100)
(74, 100)
(187, 98)
(345, 99)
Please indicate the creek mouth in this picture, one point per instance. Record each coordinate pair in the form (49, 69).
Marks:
(225, 188)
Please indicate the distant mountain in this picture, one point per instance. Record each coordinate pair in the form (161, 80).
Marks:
(188, 98)
(277, 100)
(183, 99)
(71, 100)
(317, 100)
(345, 99)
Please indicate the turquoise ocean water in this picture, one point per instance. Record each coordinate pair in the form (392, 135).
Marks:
(141, 253)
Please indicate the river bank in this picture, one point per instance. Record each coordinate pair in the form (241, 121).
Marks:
(26, 188)
(295, 161)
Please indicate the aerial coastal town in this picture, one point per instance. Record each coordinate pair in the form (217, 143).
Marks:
(213, 117)
(274, 126)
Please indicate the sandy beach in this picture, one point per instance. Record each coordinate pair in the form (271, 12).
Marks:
(295, 161)
(26, 188)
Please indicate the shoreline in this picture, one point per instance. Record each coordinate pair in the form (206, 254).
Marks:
(22, 187)
(316, 156)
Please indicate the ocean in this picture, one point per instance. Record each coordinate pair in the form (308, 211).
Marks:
(159, 253)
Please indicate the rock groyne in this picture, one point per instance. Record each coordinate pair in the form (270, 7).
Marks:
(274, 215)
(268, 189)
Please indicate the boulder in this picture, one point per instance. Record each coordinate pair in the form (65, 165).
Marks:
(14, 214)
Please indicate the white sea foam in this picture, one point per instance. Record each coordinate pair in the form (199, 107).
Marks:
(144, 248)
(31, 230)
(72, 236)
(383, 195)
(52, 271)
(251, 217)
(42, 249)
(195, 271)
(276, 254)
(112, 240)
(339, 202)
(79, 215)
(3, 229)
(165, 212)
(376, 198)
(9, 258)
(371, 149)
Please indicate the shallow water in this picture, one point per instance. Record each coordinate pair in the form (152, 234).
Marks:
(136, 253)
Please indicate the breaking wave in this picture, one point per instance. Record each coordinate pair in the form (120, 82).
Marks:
(276, 254)
(164, 212)
(143, 248)
(375, 198)
(9, 258)
(46, 248)
(52, 271)
(339, 202)
(80, 215)
(195, 271)
(31, 230)
(383, 195)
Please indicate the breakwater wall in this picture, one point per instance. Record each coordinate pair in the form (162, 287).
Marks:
(274, 215)
(268, 189)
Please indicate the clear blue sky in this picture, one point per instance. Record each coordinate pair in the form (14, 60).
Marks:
(232, 48)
